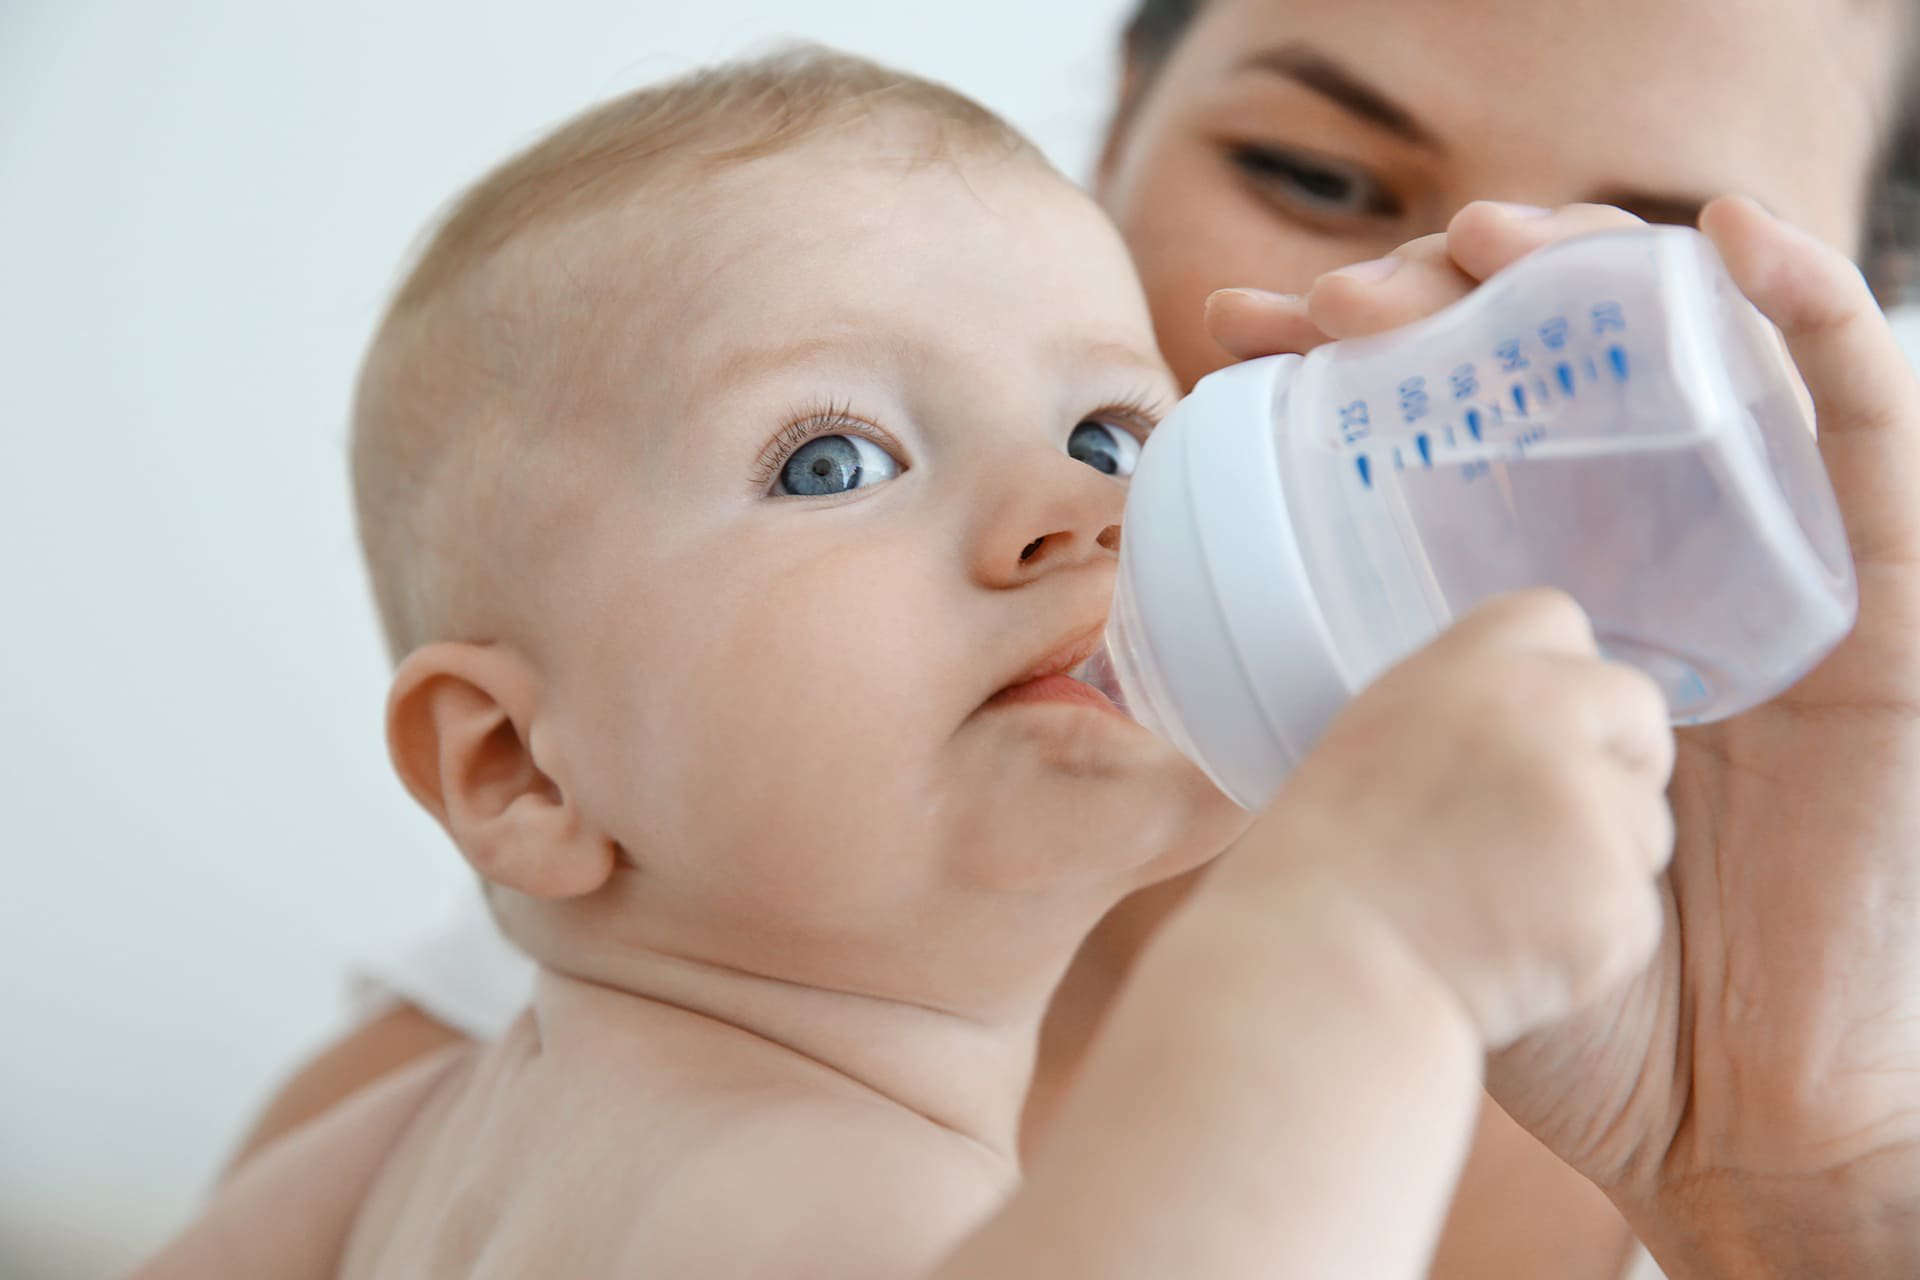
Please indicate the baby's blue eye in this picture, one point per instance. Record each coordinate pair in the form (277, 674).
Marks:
(1104, 448)
(826, 465)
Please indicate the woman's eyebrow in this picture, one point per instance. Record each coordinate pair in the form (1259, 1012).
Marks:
(1308, 67)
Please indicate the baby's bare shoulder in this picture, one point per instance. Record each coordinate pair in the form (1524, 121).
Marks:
(802, 1187)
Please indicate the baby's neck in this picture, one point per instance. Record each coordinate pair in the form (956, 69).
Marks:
(965, 1071)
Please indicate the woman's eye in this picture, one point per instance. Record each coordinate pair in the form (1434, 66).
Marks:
(1104, 448)
(826, 465)
(1317, 185)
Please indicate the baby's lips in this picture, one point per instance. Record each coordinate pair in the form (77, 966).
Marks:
(1063, 659)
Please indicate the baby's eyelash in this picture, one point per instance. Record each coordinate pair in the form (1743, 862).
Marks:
(824, 418)
(1139, 412)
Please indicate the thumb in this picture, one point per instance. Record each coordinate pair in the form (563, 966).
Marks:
(1866, 399)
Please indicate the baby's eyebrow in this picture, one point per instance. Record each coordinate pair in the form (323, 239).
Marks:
(1110, 351)
(865, 343)
(895, 349)
(1108, 354)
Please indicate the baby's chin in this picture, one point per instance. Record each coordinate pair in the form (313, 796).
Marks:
(1110, 821)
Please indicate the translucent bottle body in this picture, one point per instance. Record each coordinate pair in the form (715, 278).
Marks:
(1609, 417)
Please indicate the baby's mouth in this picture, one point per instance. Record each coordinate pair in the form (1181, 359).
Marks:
(1076, 673)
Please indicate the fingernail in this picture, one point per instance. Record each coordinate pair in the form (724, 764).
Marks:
(1521, 210)
(1370, 271)
(1264, 297)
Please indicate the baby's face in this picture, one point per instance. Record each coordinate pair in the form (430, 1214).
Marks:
(870, 425)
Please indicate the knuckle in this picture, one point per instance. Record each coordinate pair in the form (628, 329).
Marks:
(1539, 615)
(1617, 931)
(1662, 832)
(1549, 607)
(1631, 695)
(1499, 706)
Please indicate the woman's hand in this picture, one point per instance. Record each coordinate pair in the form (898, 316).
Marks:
(1751, 1100)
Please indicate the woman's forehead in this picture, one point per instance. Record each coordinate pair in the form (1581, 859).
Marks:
(1787, 100)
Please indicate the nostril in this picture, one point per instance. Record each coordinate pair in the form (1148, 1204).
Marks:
(1026, 552)
(1110, 537)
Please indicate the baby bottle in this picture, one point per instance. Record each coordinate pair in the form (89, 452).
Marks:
(1608, 416)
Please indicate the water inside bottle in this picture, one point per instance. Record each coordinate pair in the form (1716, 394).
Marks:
(1652, 536)
(1636, 447)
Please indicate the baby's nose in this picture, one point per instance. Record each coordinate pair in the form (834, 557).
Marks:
(1050, 512)
(1051, 546)
(1108, 537)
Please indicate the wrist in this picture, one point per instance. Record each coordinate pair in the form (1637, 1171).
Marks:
(1345, 958)
(1281, 881)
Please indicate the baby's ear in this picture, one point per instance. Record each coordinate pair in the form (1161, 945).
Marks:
(459, 727)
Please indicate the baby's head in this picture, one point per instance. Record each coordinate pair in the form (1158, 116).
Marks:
(723, 460)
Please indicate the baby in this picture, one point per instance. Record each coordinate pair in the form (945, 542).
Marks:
(740, 471)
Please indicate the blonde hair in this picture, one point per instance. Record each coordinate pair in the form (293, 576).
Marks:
(431, 482)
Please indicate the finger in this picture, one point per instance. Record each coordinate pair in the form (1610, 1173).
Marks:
(1656, 834)
(1253, 322)
(1409, 284)
(1865, 397)
(1537, 620)
(1628, 716)
(1485, 237)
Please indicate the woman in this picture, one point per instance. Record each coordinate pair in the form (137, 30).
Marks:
(1747, 1104)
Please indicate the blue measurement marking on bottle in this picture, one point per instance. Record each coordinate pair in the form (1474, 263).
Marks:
(1365, 468)
(1617, 357)
(1473, 423)
(1520, 399)
(1413, 399)
(1593, 370)
(1426, 449)
(1564, 372)
(1354, 421)
(1399, 463)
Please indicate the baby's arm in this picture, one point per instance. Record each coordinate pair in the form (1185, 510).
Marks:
(1278, 1093)
(1288, 1085)
(288, 1213)
(1200, 1144)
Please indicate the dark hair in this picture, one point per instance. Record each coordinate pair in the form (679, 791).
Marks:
(1890, 240)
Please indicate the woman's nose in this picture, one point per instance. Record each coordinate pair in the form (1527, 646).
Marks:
(1061, 513)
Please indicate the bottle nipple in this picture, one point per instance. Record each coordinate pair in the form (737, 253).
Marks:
(1098, 673)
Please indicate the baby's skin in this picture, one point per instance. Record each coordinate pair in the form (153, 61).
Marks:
(777, 774)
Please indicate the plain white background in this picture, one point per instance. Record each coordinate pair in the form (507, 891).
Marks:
(202, 206)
